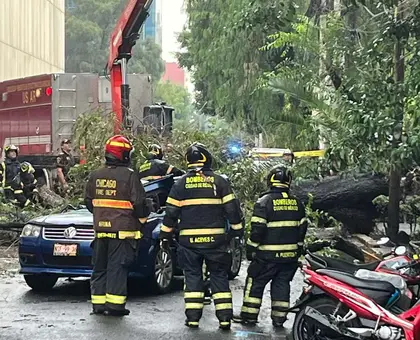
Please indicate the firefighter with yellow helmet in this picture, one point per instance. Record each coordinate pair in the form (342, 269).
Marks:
(11, 174)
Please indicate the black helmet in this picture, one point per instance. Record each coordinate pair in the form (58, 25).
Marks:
(279, 177)
(155, 151)
(198, 156)
(9, 148)
(27, 167)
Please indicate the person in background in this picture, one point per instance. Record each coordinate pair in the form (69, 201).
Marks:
(10, 177)
(65, 161)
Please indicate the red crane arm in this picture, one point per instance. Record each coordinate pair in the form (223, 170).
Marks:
(123, 38)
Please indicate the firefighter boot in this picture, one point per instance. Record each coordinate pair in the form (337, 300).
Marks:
(244, 321)
(278, 322)
(116, 312)
(224, 325)
(191, 324)
(98, 310)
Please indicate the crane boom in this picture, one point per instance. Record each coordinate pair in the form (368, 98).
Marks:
(123, 38)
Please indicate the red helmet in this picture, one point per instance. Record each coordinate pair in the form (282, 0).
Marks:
(118, 148)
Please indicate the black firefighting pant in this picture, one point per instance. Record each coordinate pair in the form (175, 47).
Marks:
(218, 263)
(259, 274)
(15, 193)
(111, 261)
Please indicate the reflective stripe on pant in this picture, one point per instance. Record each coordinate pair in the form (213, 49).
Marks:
(259, 274)
(16, 194)
(111, 260)
(217, 265)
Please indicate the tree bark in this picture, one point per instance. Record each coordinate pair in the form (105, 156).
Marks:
(349, 200)
(395, 173)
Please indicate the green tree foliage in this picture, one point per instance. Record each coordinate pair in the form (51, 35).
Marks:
(356, 86)
(174, 95)
(222, 42)
(88, 29)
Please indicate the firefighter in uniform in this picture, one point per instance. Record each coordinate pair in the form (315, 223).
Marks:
(288, 157)
(155, 167)
(29, 182)
(198, 205)
(65, 161)
(274, 246)
(116, 197)
(10, 177)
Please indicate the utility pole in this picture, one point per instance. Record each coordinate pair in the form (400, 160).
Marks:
(395, 172)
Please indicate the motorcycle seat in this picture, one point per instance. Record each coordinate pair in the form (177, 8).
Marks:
(348, 267)
(380, 291)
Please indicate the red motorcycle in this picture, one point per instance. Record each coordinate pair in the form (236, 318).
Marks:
(339, 305)
(397, 264)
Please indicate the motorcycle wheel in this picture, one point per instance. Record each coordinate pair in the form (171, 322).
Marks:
(324, 305)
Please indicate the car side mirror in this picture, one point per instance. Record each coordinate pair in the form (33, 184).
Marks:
(400, 250)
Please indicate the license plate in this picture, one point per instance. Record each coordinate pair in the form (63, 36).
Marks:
(65, 249)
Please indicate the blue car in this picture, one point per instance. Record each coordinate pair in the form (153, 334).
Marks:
(59, 245)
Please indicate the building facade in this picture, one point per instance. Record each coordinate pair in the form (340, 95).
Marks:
(152, 28)
(31, 37)
(174, 74)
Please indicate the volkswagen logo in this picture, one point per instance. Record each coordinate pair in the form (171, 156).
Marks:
(70, 232)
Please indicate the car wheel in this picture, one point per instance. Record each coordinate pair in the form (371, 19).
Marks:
(41, 283)
(236, 251)
(163, 275)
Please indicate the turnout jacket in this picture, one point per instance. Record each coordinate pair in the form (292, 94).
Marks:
(199, 205)
(9, 173)
(157, 168)
(277, 227)
(116, 197)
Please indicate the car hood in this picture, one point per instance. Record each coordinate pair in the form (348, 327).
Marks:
(77, 217)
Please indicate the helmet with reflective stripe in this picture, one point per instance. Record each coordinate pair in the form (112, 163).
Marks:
(279, 177)
(118, 148)
(9, 148)
(155, 151)
(27, 167)
(198, 156)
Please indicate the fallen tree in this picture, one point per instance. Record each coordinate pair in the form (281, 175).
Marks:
(348, 199)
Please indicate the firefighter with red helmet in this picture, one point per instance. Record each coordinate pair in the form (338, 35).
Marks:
(197, 206)
(10, 177)
(116, 197)
(274, 246)
(155, 166)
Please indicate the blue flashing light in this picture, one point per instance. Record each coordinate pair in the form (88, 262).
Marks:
(235, 149)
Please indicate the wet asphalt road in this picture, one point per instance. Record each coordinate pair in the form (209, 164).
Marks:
(65, 314)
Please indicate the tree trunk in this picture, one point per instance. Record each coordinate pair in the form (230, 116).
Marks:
(349, 200)
(395, 173)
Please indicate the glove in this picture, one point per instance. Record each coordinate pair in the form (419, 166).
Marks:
(251, 253)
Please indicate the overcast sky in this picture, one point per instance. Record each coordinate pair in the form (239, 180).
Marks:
(173, 20)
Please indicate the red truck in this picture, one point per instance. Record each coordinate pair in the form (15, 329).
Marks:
(36, 113)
